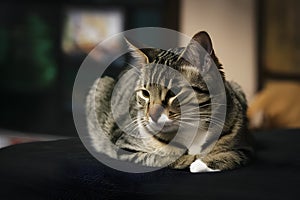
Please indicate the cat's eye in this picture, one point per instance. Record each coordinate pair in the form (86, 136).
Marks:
(170, 94)
(145, 93)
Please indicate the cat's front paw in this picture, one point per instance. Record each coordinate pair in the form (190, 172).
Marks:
(199, 166)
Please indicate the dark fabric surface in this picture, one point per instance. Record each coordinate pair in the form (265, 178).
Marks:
(65, 170)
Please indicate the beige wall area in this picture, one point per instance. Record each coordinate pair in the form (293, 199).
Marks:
(231, 25)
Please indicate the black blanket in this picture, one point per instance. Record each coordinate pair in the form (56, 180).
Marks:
(64, 169)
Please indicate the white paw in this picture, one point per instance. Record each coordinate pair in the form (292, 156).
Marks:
(199, 166)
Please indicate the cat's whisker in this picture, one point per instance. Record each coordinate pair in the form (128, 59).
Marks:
(213, 122)
(187, 123)
(204, 105)
(206, 118)
(201, 111)
(134, 129)
(189, 119)
(136, 125)
(218, 125)
(212, 118)
(196, 108)
(200, 114)
(132, 122)
(216, 122)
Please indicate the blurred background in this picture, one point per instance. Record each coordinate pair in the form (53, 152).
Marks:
(42, 45)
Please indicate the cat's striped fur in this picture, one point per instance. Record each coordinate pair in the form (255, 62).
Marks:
(156, 107)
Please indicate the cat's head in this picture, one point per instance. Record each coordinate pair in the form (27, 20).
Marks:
(160, 91)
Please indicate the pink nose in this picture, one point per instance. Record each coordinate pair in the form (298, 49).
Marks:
(155, 111)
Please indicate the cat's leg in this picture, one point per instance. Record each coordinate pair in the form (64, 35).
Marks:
(159, 154)
(151, 152)
(149, 145)
(155, 160)
(148, 159)
(220, 161)
(183, 162)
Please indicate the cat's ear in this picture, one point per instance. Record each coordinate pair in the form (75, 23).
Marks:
(136, 53)
(199, 51)
(142, 55)
(204, 40)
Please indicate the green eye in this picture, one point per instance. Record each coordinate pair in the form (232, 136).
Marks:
(170, 94)
(145, 93)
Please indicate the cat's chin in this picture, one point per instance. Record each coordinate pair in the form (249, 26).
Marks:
(169, 130)
(162, 127)
(165, 129)
(165, 137)
(166, 134)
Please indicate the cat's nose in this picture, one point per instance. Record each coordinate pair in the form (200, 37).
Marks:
(155, 111)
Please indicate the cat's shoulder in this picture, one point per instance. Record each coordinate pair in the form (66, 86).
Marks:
(238, 92)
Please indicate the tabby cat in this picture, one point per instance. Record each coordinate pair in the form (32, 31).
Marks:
(156, 114)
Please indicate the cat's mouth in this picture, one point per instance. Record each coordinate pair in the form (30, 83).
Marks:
(160, 124)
